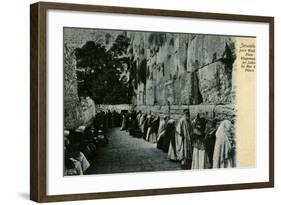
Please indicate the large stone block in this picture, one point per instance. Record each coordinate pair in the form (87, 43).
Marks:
(206, 49)
(225, 112)
(78, 113)
(215, 83)
(185, 91)
(71, 115)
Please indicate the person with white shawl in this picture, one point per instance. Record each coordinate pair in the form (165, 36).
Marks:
(142, 122)
(224, 151)
(180, 147)
(161, 132)
(149, 126)
(153, 130)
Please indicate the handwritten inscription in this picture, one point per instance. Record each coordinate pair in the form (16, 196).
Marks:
(248, 57)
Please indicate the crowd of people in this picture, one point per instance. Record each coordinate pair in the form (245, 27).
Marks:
(81, 144)
(196, 144)
(107, 119)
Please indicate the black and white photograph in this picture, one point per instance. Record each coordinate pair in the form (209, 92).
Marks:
(137, 101)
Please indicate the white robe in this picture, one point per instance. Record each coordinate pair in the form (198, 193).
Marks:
(222, 157)
(183, 148)
(200, 159)
(161, 130)
(83, 160)
(123, 126)
(142, 122)
(151, 136)
(81, 164)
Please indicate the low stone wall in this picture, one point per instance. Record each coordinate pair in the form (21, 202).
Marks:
(210, 112)
(117, 108)
(215, 83)
(78, 113)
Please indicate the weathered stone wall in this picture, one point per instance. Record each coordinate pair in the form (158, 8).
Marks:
(171, 71)
(215, 84)
(117, 108)
(218, 112)
(184, 70)
(76, 111)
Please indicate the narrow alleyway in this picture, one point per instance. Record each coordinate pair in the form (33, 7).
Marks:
(128, 154)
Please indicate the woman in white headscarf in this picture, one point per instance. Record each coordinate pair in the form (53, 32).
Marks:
(224, 152)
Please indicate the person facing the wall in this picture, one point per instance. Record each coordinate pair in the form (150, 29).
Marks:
(200, 158)
(181, 149)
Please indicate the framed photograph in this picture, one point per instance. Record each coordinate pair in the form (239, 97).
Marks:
(134, 102)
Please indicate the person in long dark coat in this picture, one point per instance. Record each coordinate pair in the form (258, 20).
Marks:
(142, 120)
(163, 139)
(210, 139)
(97, 122)
(169, 136)
(133, 129)
(143, 125)
(128, 121)
(161, 132)
(154, 130)
(109, 119)
(114, 118)
(104, 122)
(149, 124)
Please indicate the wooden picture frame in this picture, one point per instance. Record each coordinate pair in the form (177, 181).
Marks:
(38, 100)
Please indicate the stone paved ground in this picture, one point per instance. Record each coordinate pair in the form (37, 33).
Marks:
(128, 154)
